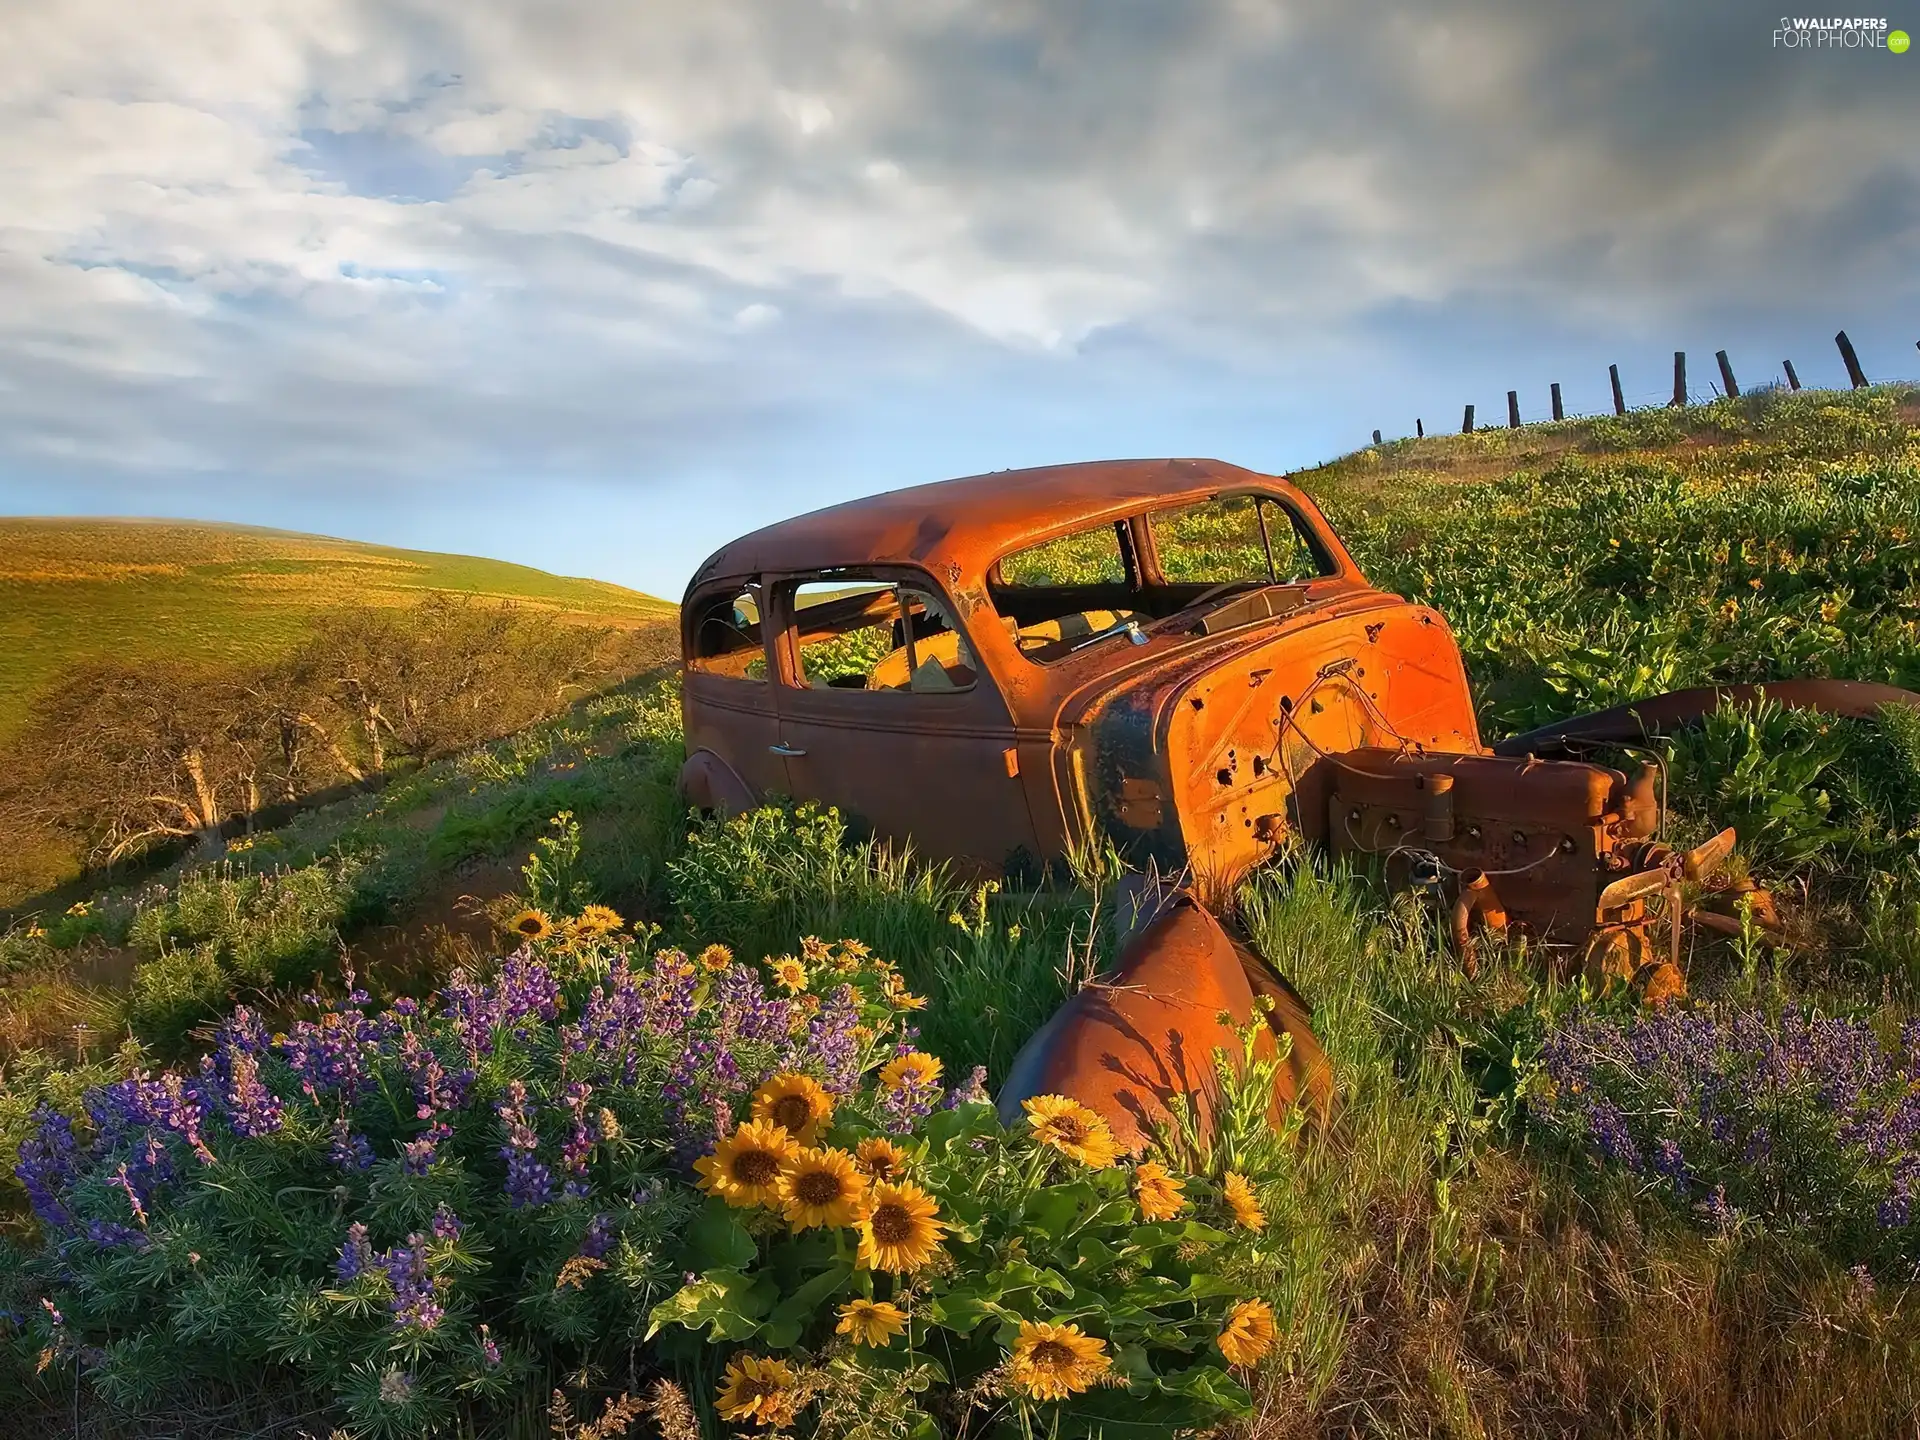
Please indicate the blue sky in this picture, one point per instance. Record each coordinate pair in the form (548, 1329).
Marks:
(595, 287)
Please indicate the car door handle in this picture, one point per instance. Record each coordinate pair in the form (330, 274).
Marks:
(785, 750)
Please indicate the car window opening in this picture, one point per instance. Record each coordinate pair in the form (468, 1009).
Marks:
(727, 635)
(857, 634)
(1064, 593)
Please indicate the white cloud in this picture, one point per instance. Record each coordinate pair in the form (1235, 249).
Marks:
(570, 228)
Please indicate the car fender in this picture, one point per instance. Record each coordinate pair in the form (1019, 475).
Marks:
(1131, 1041)
(708, 783)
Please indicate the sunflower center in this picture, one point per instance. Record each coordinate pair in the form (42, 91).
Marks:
(791, 1111)
(892, 1224)
(1052, 1355)
(818, 1187)
(1071, 1129)
(755, 1167)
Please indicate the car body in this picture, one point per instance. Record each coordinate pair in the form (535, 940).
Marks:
(1308, 704)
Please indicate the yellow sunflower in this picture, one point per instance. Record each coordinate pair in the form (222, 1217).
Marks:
(898, 1231)
(913, 1068)
(790, 974)
(871, 1322)
(1072, 1129)
(821, 1187)
(795, 1102)
(814, 950)
(1249, 1333)
(599, 920)
(531, 924)
(1240, 1199)
(715, 958)
(880, 1159)
(744, 1169)
(1157, 1191)
(757, 1391)
(1051, 1362)
(854, 950)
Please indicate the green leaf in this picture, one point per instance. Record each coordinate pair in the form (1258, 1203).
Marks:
(1054, 1211)
(1211, 1384)
(727, 1303)
(963, 1122)
(716, 1240)
(1134, 1411)
(789, 1318)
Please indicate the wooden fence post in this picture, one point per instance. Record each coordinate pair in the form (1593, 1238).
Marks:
(1854, 372)
(1558, 413)
(1792, 379)
(1679, 378)
(1726, 372)
(1466, 423)
(1619, 400)
(1376, 437)
(1513, 409)
(1419, 428)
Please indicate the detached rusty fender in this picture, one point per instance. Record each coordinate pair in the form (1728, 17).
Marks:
(1855, 699)
(1126, 1044)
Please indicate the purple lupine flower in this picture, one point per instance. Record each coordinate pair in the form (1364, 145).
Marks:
(183, 1109)
(334, 1055)
(974, 1092)
(488, 1349)
(356, 1255)
(110, 1235)
(243, 1032)
(414, 1305)
(347, 1149)
(584, 1136)
(829, 1042)
(49, 1164)
(599, 1237)
(416, 1156)
(446, 1225)
(1807, 1118)
(252, 1109)
(529, 1182)
(119, 1179)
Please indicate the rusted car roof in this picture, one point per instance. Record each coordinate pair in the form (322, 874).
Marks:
(994, 512)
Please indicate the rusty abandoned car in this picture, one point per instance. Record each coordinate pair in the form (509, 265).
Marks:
(1180, 659)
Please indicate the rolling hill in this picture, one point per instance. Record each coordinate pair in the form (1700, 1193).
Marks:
(73, 589)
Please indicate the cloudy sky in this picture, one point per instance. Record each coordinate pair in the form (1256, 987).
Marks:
(597, 285)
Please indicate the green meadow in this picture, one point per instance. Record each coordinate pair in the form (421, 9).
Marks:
(77, 589)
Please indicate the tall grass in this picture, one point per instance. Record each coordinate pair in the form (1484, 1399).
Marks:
(991, 972)
(1450, 1275)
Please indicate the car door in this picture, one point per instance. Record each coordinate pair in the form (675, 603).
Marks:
(886, 712)
(727, 691)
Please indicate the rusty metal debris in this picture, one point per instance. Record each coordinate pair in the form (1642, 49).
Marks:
(1178, 658)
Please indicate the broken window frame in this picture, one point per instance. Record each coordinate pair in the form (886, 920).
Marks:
(785, 588)
(704, 611)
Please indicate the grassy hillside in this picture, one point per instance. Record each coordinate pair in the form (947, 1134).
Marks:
(73, 589)
(1537, 1212)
